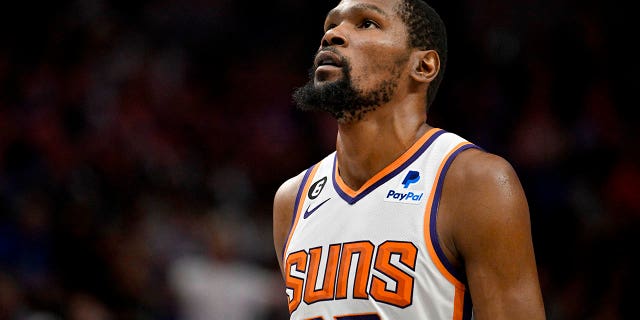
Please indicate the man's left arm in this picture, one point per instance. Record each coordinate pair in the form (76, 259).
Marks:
(492, 236)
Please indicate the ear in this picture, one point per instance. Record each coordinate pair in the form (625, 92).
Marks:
(426, 65)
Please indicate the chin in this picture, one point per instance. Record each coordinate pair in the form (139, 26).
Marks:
(322, 79)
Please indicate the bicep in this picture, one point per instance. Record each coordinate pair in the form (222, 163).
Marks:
(494, 241)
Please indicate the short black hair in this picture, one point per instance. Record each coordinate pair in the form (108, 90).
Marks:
(426, 32)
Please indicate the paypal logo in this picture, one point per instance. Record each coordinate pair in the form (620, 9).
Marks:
(411, 177)
(405, 196)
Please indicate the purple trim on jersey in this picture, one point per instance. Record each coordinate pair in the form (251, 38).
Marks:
(467, 306)
(352, 200)
(295, 208)
(434, 214)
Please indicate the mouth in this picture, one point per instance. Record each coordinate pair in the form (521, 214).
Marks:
(327, 59)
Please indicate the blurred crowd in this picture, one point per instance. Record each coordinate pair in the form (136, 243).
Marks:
(141, 144)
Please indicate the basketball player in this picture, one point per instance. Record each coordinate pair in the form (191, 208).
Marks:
(403, 221)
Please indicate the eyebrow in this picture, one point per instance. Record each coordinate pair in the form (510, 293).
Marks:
(360, 7)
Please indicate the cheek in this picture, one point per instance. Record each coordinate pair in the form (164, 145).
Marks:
(382, 62)
(381, 57)
(378, 58)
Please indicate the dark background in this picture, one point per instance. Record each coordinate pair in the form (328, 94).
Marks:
(141, 144)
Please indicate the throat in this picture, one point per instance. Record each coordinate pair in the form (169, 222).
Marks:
(360, 163)
(363, 153)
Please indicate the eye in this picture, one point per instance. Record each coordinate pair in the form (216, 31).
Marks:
(368, 24)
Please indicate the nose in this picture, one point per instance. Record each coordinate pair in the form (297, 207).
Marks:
(333, 37)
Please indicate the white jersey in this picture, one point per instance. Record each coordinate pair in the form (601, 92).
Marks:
(373, 253)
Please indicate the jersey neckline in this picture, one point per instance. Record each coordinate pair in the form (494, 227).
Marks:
(407, 158)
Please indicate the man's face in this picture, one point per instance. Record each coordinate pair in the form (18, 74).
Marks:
(361, 60)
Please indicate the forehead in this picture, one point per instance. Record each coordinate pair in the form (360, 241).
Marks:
(384, 7)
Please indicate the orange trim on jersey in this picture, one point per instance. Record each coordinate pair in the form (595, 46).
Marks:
(298, 210)
(427, 225)
(388, 169)
(458, 303)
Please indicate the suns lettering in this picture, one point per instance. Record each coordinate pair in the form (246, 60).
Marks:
(346, 271)
(311, 294)
(401, 296)
(296, 261)
(364, 253)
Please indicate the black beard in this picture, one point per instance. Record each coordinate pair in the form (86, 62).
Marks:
(340, 98)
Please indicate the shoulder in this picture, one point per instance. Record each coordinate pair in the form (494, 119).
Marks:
(481, 196)
(283, 206)
(486, 178)
(286, 195)
(474, 168)
(486, 187)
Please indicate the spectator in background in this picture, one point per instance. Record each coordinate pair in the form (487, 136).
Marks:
(216, 284)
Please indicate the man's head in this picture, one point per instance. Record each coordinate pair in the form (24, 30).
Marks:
(369, 49)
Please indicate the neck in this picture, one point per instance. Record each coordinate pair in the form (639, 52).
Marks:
(367, 146)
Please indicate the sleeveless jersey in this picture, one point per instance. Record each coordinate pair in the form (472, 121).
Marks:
(373, 253)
